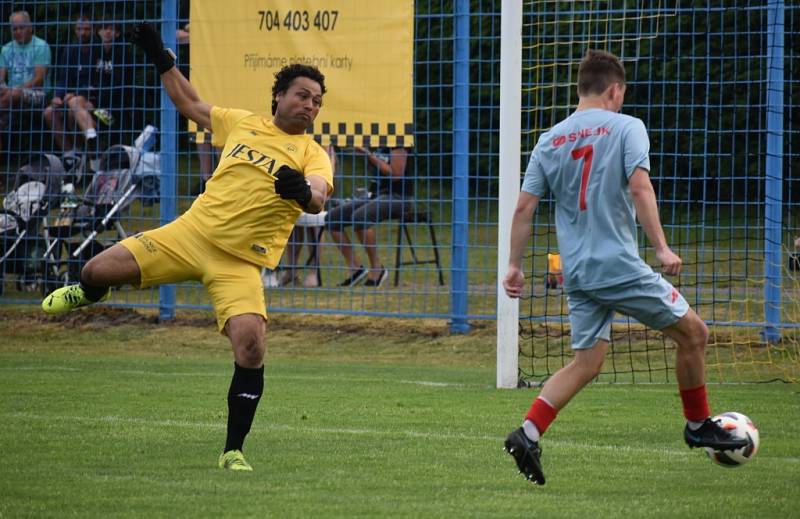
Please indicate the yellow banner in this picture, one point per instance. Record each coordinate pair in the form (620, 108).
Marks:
(363, 47)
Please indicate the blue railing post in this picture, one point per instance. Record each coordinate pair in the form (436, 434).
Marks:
(168, 142)
(774, 173)
(459, 288)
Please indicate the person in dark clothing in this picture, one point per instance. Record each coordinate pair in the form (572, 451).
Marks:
(75, 93)
(390, 196)
(113, 71)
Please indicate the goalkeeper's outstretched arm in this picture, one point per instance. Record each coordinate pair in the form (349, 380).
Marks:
(182, 93)
(185, 97)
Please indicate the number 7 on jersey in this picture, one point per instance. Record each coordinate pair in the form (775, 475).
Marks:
(584, 152)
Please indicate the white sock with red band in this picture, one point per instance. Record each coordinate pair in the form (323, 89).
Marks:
(530, 430)
(539, 417)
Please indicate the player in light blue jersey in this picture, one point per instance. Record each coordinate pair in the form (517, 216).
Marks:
(596, 165)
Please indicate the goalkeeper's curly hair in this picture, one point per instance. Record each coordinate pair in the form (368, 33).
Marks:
(285, 76)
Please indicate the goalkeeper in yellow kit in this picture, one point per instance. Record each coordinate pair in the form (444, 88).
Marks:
(269, 172)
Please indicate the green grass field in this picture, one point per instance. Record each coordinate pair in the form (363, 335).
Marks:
(109, 414)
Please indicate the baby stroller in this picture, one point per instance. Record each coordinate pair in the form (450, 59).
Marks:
(81, 221)
(23, 234)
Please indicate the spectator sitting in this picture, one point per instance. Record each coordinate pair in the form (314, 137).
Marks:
(390, 195)
(114, 75)
(24, 63)
(75, 94)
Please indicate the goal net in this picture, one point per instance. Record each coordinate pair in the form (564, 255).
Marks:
(713, 86)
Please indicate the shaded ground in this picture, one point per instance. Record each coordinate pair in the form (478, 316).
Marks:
(101, 317)
(290, 336)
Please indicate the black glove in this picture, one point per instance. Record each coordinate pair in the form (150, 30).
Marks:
(292, 185)
(147, 38)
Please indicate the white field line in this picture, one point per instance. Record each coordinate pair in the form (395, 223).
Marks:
(434, 436)
(666, 386)
(268, 376)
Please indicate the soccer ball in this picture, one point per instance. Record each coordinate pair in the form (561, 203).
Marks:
(741, 427)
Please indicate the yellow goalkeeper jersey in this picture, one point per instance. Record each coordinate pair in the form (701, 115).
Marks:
(239, 210)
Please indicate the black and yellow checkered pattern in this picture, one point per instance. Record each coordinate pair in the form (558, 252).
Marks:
(201, 136)
(343, 135)
(366, 135)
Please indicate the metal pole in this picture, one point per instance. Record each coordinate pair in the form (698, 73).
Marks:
(460, 249)
(510, 142)
(168, 142)
(774, 172)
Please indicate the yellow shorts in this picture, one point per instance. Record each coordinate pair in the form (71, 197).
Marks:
(177, 252)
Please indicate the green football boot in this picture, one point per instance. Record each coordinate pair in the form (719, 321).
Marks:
(234, 460)
(67, 298)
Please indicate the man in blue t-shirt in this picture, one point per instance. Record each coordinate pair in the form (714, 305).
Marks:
(596, 165)
(24, 64)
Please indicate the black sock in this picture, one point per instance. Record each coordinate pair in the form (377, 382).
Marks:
(243, 396)
(92, 293)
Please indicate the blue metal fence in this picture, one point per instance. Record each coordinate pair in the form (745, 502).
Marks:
(677, 56)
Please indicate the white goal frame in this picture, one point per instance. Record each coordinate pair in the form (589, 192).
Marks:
(509, 177)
